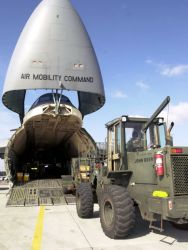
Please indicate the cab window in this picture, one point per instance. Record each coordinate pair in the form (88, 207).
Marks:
(162, 136)
(156, 136)
(134, 136)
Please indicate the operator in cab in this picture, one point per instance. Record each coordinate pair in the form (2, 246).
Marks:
(135, 143)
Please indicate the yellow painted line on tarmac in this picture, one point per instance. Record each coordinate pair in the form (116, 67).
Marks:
(36, 244)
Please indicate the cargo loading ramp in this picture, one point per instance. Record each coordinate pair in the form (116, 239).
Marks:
(38, 193)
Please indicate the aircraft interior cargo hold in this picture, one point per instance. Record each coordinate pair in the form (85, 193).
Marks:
(47, 141)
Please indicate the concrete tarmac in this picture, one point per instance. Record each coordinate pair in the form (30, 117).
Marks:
(59, 228)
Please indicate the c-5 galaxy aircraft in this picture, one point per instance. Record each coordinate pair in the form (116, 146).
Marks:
(53, 53)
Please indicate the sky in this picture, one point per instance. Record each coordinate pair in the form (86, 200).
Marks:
(141, 46)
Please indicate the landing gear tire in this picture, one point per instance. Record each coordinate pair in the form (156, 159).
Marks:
(84, 200)
(183, 226)
(117, 213)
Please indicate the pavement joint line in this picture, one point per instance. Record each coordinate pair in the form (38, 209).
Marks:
(37, 239)
(90, 246)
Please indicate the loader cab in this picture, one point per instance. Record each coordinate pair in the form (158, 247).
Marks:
(126, 136)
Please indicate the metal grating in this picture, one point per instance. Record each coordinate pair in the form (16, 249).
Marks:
(39, 192)
(180, 174)
(17, 197)
(70, 199)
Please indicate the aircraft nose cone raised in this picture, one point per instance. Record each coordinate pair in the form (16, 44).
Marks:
(60, 3)
(54, 51)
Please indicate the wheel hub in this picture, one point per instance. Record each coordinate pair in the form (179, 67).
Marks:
(108, 212)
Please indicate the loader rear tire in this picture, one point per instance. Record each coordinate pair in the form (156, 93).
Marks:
(117, 213)
(84, 200)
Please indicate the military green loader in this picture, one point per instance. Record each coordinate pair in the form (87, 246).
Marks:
(144, 169)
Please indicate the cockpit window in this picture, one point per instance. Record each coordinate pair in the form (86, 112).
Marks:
(49, 99)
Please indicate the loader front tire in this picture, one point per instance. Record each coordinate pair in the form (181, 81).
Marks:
(117, 213)
(84, 200)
